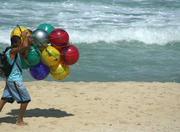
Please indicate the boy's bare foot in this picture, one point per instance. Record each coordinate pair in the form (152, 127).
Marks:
(21, 123)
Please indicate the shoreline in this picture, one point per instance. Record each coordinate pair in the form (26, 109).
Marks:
(97, 107)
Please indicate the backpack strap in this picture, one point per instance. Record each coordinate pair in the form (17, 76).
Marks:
(13, 65)
(14, 62)
(18, 64)
(7, 48)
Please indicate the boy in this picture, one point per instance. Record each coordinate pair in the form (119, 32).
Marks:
(14, 89)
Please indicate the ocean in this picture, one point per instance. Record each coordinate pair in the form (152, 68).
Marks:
(118, 40)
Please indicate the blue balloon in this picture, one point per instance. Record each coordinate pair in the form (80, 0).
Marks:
(39, 71)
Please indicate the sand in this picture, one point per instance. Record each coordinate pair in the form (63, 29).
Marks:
(96, 107)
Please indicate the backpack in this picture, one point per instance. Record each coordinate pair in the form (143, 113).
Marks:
(5, 67)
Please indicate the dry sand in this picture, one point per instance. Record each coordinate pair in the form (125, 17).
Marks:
(97, 107)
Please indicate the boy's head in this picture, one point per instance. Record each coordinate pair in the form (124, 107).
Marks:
(15, 41)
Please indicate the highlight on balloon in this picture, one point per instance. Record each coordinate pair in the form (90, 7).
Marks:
(50, 52)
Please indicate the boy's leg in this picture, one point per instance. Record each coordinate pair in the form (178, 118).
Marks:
(21, 95)
(6, 97)
(2, 103)
(21, 114)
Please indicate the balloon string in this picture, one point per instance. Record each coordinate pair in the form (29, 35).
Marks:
(20, 31)
(39, 42)
(49, 54)
(27, 62)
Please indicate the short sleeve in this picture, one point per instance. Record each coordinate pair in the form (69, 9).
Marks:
(8, 56)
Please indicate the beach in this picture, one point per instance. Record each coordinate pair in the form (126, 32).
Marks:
(96, 107)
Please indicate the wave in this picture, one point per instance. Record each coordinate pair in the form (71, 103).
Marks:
(5, 36)
(92, 21)
(161, 36)
(145, 35)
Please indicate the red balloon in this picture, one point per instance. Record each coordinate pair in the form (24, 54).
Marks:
(59, 37)
(70, 55)
(60, 48)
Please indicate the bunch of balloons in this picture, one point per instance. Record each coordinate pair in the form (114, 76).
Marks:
(50, 52)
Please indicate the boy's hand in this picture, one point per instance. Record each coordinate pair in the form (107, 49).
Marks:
(24, 34)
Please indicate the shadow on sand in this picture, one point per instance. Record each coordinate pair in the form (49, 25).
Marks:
(34, 113)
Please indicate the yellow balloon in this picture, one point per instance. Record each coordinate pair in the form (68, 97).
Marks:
(50, 56)
(17, 32)
(59, 71)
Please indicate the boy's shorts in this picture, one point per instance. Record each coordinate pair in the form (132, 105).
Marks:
(16, 91)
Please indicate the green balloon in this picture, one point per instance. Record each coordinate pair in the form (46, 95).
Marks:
(47, 27)
(25, 64)
(33, 58)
